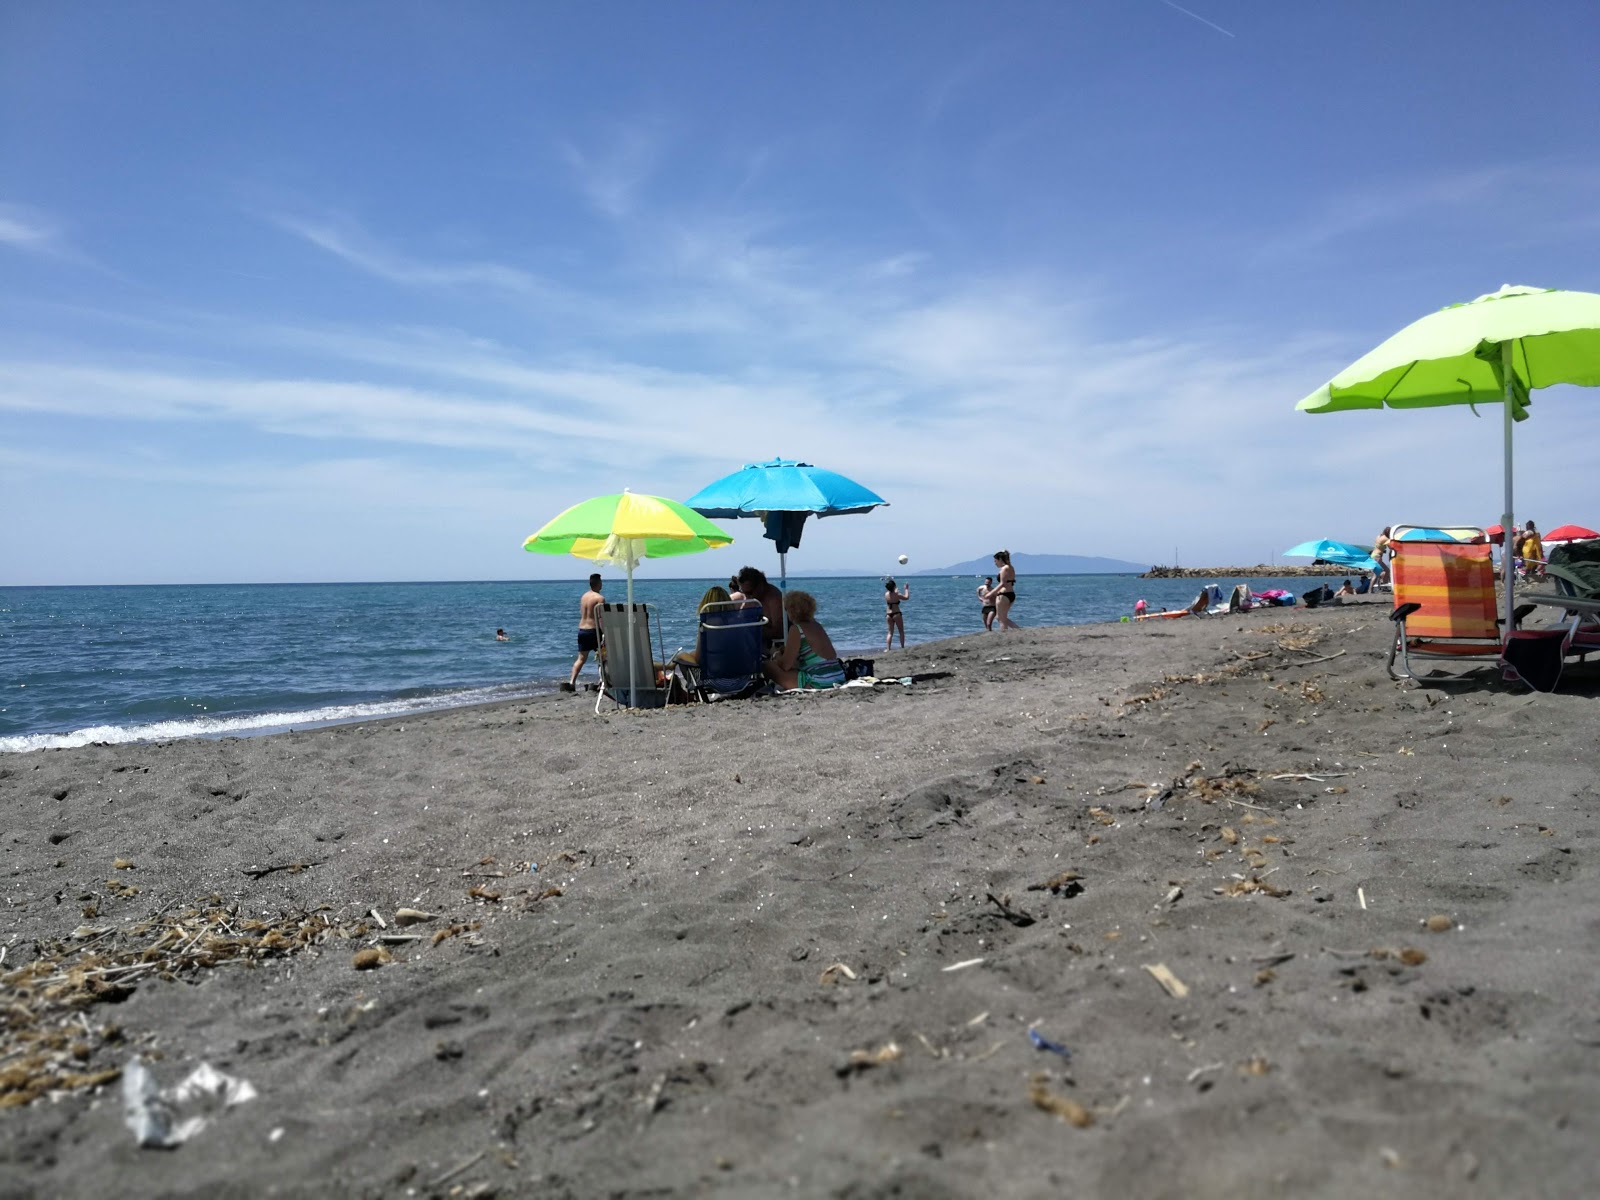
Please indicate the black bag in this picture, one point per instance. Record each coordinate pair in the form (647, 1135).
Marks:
(857, 668)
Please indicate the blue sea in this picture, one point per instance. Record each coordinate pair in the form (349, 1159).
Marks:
(121, 664)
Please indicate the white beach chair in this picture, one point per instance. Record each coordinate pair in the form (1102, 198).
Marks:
(618, 652)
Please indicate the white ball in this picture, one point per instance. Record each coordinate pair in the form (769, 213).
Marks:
(904, 559)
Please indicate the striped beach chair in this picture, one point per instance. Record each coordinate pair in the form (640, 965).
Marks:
(1444, 598)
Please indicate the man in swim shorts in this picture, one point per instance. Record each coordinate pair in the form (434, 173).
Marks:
(588, 629)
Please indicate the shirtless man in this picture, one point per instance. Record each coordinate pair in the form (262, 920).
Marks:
(588, 629)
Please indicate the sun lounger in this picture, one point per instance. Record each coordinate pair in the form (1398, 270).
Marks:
(617, 654)
(1444, 603)
(728, 649)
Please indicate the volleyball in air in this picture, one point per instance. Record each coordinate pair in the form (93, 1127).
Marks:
(904, 559)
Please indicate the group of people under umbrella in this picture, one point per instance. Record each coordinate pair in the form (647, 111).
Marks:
(626, 528)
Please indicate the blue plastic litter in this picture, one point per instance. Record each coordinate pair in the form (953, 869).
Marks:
(1040, 1042)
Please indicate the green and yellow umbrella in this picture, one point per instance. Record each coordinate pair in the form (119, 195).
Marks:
(626, 528)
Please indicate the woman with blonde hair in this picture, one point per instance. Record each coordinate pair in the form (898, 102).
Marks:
(808, 659)
(1005, 589)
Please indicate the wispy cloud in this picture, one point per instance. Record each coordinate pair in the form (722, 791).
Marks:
(30, 231)
(611, 170)
(1186, 12)
(1357, 210)
(366, 254)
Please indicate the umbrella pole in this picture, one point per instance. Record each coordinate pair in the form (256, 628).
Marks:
(633, 644)
(1507, 550)
(783, 586)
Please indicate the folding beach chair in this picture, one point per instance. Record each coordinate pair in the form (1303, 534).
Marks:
(1573, 570)
(728, 650)
(617, 654)
(1444, 602)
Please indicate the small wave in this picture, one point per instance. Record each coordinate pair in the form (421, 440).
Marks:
(257, 723)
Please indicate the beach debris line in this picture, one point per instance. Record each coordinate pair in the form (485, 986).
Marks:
(156, 1115)
(47, 1041)
(865, 1060)
(1040, 1042)
(1162, 974)
(291, 868)
(832, 972)
(1015, 915)
(1065, 883)
(1050, 1101)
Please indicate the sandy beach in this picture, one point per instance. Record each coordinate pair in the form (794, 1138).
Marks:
(797, 945)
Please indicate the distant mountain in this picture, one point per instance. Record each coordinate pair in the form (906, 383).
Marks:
(1044, 564)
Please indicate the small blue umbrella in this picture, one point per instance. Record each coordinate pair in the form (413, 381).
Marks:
(1342, 554)
(783, 493)
(1421, 533)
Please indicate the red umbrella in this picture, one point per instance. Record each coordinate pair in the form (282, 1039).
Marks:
(1570, 533)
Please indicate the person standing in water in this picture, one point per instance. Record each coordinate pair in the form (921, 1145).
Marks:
(986, 598)
(894, 618)
(1005, 590)
(588, 629)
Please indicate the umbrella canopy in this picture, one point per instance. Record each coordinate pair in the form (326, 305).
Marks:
(1422, 533)
(783, 493)
(626, 528)
(1492, 350)
(1569, 533)
(1344, 554)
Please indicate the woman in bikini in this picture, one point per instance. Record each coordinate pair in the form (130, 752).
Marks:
(1005, 591)
(808, 659)
(894, 617)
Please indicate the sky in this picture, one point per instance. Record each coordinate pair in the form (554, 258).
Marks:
(370, 291)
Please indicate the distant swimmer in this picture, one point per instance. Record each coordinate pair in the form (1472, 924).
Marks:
(588, 629)
(500, 635)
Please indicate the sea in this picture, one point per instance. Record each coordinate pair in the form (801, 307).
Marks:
(80, 665)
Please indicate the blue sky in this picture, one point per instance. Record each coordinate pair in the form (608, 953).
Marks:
(371, 290)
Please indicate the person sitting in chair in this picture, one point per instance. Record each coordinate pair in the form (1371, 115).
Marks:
(714, 595)
(753, 585)
(808, 659)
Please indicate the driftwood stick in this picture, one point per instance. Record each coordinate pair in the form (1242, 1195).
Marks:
(1306, 662)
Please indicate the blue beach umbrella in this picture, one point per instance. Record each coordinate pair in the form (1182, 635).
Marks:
(783, 493)
(1424, 534)
(1342, 554)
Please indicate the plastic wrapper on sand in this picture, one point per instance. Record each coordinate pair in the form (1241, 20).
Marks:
(166, 1117)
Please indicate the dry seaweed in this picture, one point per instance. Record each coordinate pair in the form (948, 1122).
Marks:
(47, 1039)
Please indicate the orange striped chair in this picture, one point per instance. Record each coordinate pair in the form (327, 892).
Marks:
(1444, 600)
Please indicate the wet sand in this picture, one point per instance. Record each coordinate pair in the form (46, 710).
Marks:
(796, 945)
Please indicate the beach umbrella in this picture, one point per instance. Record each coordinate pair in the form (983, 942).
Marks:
(626, 528)
(1344, 554)
(782, 494)
(1569, 533)
(1493, 350)
(1422, 533)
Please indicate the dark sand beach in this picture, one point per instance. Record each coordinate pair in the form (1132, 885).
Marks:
(795, 946)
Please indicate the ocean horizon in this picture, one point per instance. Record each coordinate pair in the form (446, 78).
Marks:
(115, 663)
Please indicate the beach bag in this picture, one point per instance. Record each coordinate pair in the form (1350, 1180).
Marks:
(857, 668)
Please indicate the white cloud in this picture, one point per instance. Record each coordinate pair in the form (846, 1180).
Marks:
(366, 254)
(613, 170)
(27, 230)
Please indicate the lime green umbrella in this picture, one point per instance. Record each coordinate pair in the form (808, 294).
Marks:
(1493, 350)
(626, 528)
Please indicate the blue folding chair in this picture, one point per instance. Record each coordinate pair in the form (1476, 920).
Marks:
(728, 650)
